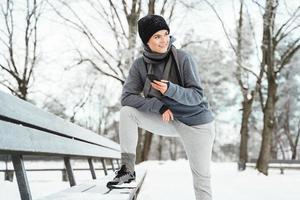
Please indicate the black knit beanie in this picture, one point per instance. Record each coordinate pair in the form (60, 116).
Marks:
(149, 25)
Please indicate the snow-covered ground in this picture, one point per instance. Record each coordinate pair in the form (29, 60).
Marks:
(173, 180)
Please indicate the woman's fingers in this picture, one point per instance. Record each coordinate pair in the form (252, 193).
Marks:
(161, 86)
(164, 116)
(168, 115)
(171, 116)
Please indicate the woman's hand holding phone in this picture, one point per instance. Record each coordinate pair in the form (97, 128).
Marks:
(152, 77)
(160, 85)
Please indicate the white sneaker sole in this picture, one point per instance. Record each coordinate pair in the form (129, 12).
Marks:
(132, 184)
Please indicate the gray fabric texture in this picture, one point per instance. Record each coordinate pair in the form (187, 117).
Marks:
(197, 141)
(148, 91)
(186, 101)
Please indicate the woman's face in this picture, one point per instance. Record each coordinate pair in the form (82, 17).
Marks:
(159, 41)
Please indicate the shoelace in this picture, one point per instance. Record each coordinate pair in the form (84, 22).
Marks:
(120, 172)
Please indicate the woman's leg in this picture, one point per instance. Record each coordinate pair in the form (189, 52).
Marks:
(198, 143)
(130, 120)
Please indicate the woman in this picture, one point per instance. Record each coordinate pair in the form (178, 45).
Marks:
(172, 105)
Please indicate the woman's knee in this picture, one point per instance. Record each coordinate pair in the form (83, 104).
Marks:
(127, 111)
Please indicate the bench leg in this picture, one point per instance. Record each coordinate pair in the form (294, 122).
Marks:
(69, 171)
(92, 168)
(64, 175)
(104, 166)
(21, 177)
(9, 175)
(281, 170)
(112, 164)
(118, 161)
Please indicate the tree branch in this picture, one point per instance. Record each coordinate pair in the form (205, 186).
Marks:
(12, 90)
(288, 54)
(163, 8)
(119, 19)
(9, 22)
(223, 25)
(287, 23)
(125, 7)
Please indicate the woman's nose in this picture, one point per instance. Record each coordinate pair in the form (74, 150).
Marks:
(165, 39)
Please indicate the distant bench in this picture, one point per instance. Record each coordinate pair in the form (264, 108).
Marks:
(27, 130)
(278, 164)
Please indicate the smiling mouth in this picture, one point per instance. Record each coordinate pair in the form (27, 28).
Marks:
(163, 46)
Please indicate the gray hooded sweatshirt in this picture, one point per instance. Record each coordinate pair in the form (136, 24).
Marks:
(186, 102)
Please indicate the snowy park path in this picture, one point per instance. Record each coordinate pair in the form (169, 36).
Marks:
(173, 180)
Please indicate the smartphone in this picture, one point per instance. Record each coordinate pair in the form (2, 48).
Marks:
(152, 77)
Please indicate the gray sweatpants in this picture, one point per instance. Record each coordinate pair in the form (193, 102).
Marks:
(197, 141)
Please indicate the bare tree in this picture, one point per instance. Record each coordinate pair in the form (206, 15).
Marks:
(242, 75)
(109, 62)
(247, 103)
(287, 117)
(271, 69)
(247, 92)
(19, 60)
(273, 65)
(292, 141)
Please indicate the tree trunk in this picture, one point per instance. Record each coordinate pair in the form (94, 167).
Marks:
(247, 103)
(243, 156)
(294, 153)
(173, 148)
(269, 108)
(151, 7)
(23, 90)
(132, 20)
(139, 146)
(160, 147)
(146, 146)
(132, 38)
(268, 128)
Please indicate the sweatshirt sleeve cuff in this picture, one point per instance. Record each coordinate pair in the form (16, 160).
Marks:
(163, 109)
(171, 89)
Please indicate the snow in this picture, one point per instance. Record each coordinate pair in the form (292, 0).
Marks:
(173, 180)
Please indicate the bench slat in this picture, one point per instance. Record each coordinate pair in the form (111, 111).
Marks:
(23, 111)
(18, 139)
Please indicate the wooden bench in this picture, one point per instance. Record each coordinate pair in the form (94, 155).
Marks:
(27, 130)
(278, 164)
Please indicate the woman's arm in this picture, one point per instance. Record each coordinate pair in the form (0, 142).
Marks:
(131, 93)
(192, 93)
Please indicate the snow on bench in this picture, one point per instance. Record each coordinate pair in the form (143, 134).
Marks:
(97, 190)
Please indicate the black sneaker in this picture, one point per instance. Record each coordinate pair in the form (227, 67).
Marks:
(122, 176)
